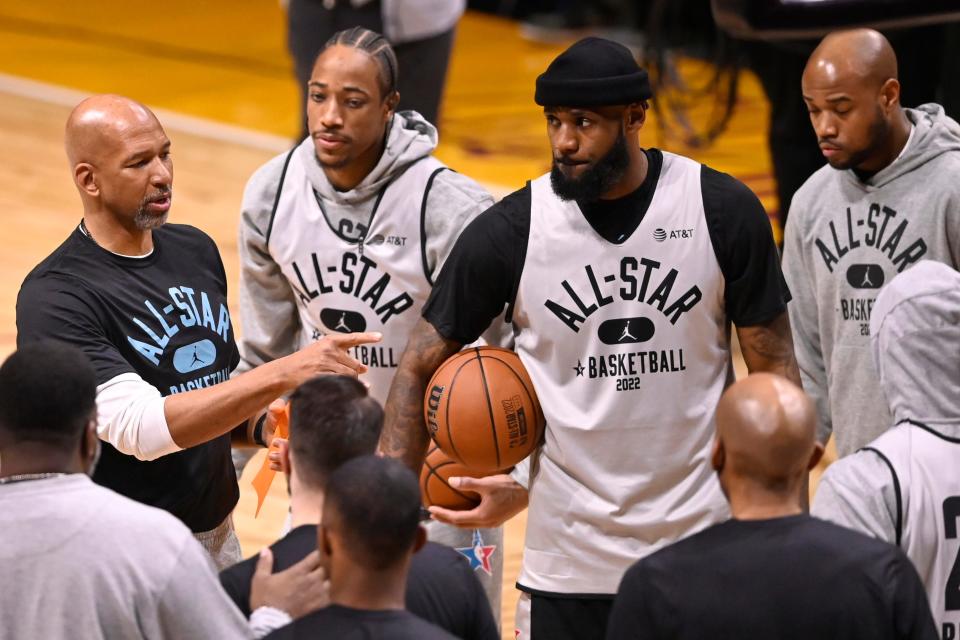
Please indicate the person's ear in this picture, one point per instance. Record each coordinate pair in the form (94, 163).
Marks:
(636, 117)
(84, 175)
(391, 103)
(815, 456)
(890, 94)
(421, 538)
(90, 445)
(718, 455)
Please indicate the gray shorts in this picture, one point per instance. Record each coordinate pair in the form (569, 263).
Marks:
(222, 544)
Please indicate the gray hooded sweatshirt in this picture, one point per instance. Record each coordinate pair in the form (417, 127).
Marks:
(845, 238)
(268, 305)
(900, 487)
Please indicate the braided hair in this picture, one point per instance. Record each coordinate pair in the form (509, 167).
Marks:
(374, 45)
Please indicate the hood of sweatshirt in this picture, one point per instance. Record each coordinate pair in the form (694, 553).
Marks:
(934, 133)
(915, 338)
(409, 138)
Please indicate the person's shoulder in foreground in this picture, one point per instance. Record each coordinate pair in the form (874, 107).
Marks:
(124, 569)
(344, 623)
(287, 551)
(842, 585)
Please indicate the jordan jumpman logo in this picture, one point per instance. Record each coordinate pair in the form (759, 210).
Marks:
(626, 333)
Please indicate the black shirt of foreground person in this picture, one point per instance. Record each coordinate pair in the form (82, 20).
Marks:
(441, 588)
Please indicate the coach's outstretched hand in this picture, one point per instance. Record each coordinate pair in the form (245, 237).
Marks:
(501, 498)
(299, 590)
(329, 354)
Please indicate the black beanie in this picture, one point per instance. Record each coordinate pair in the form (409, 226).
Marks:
(593, 72)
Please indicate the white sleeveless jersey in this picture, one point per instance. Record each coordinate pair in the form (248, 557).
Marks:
(628, 349)
(345, 285)
(926, 472)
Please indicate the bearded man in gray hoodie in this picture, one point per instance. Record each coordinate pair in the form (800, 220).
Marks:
(348, 230)
(888, 199)
(904, 487)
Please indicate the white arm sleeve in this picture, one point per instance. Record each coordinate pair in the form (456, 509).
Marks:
(266, 619)
(521, 473)
(130, 416)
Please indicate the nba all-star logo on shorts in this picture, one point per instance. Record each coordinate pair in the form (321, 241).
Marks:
(479, 554)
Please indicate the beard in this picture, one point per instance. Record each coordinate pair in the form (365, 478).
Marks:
(877, 134)
(597, 179)
(144, 220)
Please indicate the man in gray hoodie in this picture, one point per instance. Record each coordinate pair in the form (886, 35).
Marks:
(888, 199)
(904, 487)
(349, 228)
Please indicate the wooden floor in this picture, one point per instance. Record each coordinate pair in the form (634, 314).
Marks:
(219, 76)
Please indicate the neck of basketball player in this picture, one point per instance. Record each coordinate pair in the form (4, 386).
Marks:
(750, 500)
(27, 458)
(633, 177)
(306, 502)
(117, 233)
(356, 587)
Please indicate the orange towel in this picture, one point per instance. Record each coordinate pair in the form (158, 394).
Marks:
(264, 478)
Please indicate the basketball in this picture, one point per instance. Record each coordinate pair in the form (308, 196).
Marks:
(482, 411)
(434, 489)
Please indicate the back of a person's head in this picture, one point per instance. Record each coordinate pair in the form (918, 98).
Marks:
(766, 428)
(373, 505)
(332, 420)
(48, 394)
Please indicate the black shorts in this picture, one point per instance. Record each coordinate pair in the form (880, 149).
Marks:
(564, 618)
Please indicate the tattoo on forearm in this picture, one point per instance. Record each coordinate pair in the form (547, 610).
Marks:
(404, 433)
(769, 347)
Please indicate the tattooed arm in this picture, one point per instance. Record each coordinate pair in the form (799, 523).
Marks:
(404, 430)
(769, 347)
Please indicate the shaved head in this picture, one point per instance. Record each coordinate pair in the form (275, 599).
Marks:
(100, 123)
(766, 429)
(852, 92)
(860, 56)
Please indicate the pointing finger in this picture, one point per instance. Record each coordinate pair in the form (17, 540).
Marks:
(345, 340)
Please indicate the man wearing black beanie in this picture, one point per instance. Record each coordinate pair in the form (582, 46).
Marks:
(621, 271)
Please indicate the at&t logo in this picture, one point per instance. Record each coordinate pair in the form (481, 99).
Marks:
(662, 234)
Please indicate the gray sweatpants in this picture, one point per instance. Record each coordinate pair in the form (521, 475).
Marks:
(484, 550)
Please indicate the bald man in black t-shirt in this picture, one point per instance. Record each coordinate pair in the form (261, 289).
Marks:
(147, 303)
(771, 571)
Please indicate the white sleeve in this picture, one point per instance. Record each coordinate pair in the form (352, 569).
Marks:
(267, 619)
(521, 473)
(130, 416)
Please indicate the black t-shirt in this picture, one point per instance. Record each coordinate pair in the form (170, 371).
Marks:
(482, 273)
(343, 623)
(792, 578)
(441, 586)
(163, 317)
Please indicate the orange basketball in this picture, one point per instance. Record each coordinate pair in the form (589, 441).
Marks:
(434, 488)
(482, 411)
